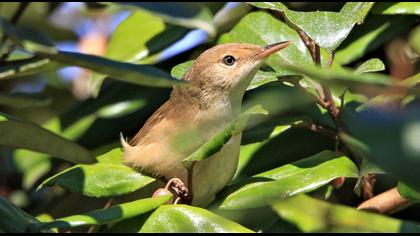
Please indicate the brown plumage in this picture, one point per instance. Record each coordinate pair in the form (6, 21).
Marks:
(194, 114)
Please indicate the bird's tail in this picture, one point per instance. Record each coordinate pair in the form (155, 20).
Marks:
(124, 142)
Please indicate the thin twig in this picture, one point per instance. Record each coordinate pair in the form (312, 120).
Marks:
(8, 48)
(316, 128)
(95, 228)
(388, 202)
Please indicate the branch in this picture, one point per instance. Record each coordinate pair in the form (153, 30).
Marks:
(388, 202)
(15, 18)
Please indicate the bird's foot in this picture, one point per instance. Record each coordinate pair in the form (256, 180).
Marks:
(182, 192)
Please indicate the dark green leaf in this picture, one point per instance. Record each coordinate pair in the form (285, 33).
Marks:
(20, 100)
(390, 139)
(25, 67)
(104, 179)
(301, 176)
(313, 215)
(261, 77)
(136, 74)
(371, 35)
(104, 216)
(21, 134)
(392, 8)
(408, 192)
(13, 219)
(189, 219)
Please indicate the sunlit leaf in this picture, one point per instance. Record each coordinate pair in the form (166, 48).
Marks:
(313, 215)
(288, 180)
(189, 219)
(104, 216)
(104, 179)
(327, 29)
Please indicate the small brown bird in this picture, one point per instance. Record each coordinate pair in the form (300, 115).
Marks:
(217, 83)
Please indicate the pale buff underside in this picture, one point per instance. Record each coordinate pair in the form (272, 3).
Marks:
(159, 153)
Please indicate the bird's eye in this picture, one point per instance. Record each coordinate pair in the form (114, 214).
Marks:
(228, 60)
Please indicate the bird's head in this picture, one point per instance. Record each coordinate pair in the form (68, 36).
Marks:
(230, 67)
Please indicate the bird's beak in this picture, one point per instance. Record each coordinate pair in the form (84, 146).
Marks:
(271, 49)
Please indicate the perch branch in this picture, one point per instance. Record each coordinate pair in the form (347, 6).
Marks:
(388, 202)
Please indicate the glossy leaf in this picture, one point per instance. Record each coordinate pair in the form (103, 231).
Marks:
(104, 216)
(313, 215)
(21, 134)
(371, 65)
(12, 218)
(104, 179)
(408, 192)
(327, 29)
(301, 176)
(392, 8)
(189, 219)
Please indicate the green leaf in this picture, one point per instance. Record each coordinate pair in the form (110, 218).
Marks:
(313, 215)
(21, 100)
(371, 35)
(301, 176)
(414, 38)
(189, 219)
(145, 75)
(389, 139)
(104, 216)
(262, 29)
(180, 70)
(29, 39)
(13, 219)
(191, 15)
(24, 67)
(219, 140)
(17, 133)
(392, 8)
(137, 74)
(327, 29)
(150, 34)
(408, 192)
(371, 65)
(366, 83)
(104, 179)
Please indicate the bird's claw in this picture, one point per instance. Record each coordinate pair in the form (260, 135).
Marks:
(182, 192)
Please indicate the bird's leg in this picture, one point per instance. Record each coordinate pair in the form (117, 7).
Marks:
(180, 190)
